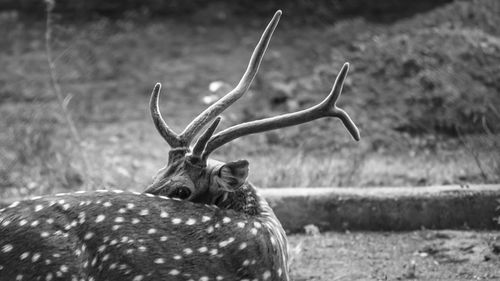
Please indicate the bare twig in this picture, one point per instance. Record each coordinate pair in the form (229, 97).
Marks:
(492, 140)
(473, 153)
(63, 101)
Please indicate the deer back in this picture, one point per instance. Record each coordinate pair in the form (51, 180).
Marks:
(119, 235)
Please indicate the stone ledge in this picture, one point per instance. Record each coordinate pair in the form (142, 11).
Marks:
(386, 208)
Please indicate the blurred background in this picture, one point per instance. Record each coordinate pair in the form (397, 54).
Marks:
(423, 87)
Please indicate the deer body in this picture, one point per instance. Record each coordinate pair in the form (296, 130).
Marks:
(120, 235)
(218, 228)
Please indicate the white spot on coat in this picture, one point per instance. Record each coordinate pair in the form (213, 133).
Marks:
(100, 218)
(35, 257)
(159, 261)
(210, 229)
(88, 235)
(163, 214)
(119, 219)
(226, 242)
(174, 272)
(7, 248)
(14, 204)
(24, 255)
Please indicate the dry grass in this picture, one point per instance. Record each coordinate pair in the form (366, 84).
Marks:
(109, 69)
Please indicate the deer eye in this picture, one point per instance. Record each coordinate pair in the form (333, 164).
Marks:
(181, 193)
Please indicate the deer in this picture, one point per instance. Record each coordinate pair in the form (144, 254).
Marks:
(200, 219)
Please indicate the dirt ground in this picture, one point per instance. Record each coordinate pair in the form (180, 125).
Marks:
(420, 255)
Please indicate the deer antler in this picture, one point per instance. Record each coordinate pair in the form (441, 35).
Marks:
(168, 134)
(200, 145)
(184, 139)
(327, 108)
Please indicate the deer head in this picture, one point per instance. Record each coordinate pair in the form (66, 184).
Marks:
(190, 174)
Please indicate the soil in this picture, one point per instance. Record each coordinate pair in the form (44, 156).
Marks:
(420, 255)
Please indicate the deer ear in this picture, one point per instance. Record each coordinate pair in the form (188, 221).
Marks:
(232, 175)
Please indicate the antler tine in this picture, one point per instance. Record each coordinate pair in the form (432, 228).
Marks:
(168, 134)
(324, 109)
(253, 66)
(200, 145)
(330, 105)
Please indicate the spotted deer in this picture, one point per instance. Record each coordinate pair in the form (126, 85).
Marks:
(200, 219)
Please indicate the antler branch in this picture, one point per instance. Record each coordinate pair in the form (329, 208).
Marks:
(327, 108)
(168, 134)
(253, 66)
(200, 145)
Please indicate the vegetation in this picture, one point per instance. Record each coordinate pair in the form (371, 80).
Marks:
(424, 90)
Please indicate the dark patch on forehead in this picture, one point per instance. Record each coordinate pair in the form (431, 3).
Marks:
(194, 171)
(176, 154)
